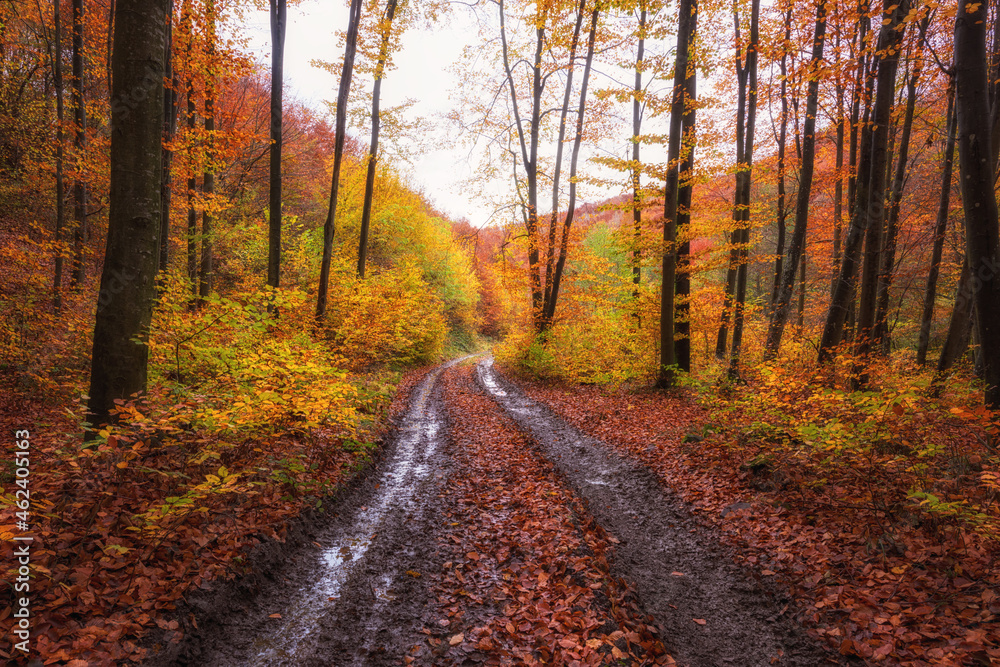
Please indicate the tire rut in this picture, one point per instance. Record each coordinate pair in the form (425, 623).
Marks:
(709, 611)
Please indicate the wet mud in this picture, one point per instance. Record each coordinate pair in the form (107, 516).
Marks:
(357, 586)
(710, 612)
(349, 595)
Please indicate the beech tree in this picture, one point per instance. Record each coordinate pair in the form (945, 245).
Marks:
(976, 164)
(80, 147)
(125, 301)
(781, 306)
(385, 29)
(343, 93)
(278, 13)
(687, 25)
(746, 119)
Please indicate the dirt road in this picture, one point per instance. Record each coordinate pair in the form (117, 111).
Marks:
(494, 533)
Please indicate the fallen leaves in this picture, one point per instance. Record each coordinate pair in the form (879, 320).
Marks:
(525, 575)
(924, 596)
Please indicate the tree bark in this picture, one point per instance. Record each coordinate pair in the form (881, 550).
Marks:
(80, 231)
(550, 251)
(687, 19)
(636, 184)
(57, 73)
(125, 303)
(796, 244)
(890, 38)
(842, 307)
(329, 226)
(682, 277)
(366, 213)
(169, 129)
(940, 226)
(888, 260)
(278, 13)
(550, 306)
(977, 178)
(781, 214)
(746, 120)
(206, 270)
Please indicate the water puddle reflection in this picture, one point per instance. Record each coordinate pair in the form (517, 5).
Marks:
(408, 467)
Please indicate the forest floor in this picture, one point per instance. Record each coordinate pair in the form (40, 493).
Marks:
(493, 531)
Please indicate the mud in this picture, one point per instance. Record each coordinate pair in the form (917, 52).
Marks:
(351, 594)
(710, 612)
(354, 586)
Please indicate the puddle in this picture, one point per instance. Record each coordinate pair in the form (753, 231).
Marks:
(403, 473)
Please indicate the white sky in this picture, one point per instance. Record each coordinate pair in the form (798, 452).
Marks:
(421, 73)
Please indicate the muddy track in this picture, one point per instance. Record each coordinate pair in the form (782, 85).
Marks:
(345, 597)
(366, 587)
(677, 567)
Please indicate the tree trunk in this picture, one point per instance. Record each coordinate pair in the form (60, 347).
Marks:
(746, 119)
(838, 184)
(887, 268)
(842, 306)
(550, 307)
(959, 326)
(205, 273)
(192, 181)
(329, 226)
(687, 21)
(977, 178)
(636, 185)
(279, 12)
(550, 251)
(889, 40)
(366, 213)
(796, 245)
(682, 277)
(125, 303)
(169, 129)
(781, 213)
(940, 226)
(57, 59)
(80, 232)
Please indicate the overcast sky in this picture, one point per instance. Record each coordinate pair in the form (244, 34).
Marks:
(422, 74)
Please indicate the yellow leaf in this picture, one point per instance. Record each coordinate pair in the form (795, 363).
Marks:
(121, 464)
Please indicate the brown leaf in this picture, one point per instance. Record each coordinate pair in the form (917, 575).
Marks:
(457, 639)
(699, 621)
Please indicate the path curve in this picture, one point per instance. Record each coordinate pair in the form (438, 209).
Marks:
(679, 571)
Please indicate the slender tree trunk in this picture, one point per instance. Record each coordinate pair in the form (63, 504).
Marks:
(940, 226)
(329, 226)
(797, 243)
(550, 310)
(781, 213)
(890, 38)
(887, 268)
(192, 182)
(57, 59)
(169, 129)
(976, 163)
(636, 185)
(838, 184)
(125, 302)
(80, 232)
(800, 312)
(687, 18)
(550, 252)
(682, 277)
(205, 273)
(959, 326)
(366, 213)
(842, 302)
(279, 13)
(746, 119)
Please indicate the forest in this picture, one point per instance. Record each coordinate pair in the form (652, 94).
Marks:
(715, 379)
